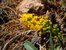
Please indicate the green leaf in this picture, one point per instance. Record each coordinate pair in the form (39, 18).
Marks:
(51, 42)
(29, 46)
(58, 48)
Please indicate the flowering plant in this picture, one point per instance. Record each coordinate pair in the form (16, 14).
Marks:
(34, 22)
(41, 23)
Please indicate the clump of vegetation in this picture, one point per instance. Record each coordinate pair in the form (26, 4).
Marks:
(29, 25)
(34, 22)
(43, 24)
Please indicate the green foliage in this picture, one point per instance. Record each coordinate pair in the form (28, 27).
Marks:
(51, 42)
(43, 25)
(58, 48)
(29, 46)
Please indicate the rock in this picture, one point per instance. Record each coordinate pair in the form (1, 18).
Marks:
(25, 5)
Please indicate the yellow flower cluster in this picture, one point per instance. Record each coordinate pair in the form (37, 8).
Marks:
(34, 22)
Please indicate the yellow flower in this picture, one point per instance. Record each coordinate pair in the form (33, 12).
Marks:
(38, 27)
(35, 17)
(46, 17)
(34, 22)
(41, 19)
(38, 23)
(32, 27)
(26, 15)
